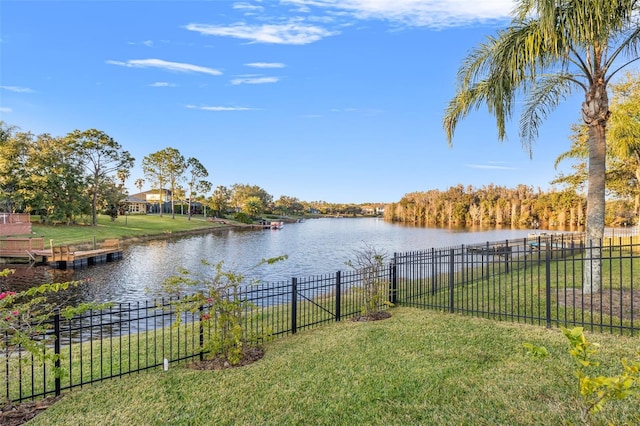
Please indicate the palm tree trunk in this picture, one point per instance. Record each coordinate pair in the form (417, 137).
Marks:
(596, 115)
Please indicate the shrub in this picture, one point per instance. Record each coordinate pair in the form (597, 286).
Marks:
(242, 217)
(370, 262)
(219, 297)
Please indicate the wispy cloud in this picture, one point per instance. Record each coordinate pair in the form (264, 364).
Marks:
(219, 108)
(294, 32)
(5, 109)
(17, 89)
(266, 65)
(254, 80)
(490, 166)
(162, 84)
(248, 7)
(431, 13)
(169, 66)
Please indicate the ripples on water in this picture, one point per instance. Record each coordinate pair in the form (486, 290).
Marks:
(313, 247)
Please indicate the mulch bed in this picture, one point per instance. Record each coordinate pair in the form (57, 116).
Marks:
(617, 303)
(250, 355)
(17, 414)
(374, 316)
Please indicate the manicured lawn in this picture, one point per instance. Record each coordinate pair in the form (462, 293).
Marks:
(418, 367)
(123, 227)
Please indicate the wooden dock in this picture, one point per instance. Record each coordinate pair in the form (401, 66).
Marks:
(61, 257)
(22, 248)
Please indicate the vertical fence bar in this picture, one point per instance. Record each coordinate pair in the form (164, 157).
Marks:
(338, 294)
(507, 256)
(451, 280)
(434, 276)
(548, 283)
(56, 349)
(294, 305)
(201, 332)
(393, 279)
(7, 376)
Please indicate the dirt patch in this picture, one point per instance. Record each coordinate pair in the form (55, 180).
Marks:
(250, 355)
(617, 303)
(374, 316)
(17, 414)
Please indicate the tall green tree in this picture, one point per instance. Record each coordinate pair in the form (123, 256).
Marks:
(551, 49)
(624, 132)
(219, 200)
(241, 192)
(154, 167)
(13, 156)
(102, 158)
(196, 179)
(176, 166)
(54, 185)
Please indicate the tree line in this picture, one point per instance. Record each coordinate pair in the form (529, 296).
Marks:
(79, 175)
(489, 205)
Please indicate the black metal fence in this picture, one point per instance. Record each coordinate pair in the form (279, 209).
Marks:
(550, 280)
(539, 280)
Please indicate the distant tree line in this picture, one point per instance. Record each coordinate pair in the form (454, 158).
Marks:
(497, 205)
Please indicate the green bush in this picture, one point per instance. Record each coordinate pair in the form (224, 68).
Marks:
(595, 391)
(223, 310)
(242, 217)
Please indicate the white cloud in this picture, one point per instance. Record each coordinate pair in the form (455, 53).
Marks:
(248, 7)
(219, 108)
(162, 84)
(290, 33)
(17, 89)
(254, 80)
(266, 65)
(170, 66)
(5, 109)
(431, 13)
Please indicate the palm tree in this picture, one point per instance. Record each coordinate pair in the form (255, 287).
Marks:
(139, 182)
(551, 49)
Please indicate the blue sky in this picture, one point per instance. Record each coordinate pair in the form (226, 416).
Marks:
(333, 100)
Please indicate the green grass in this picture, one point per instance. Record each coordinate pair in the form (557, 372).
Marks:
(519, 294)
(418, 367)
(133, 226)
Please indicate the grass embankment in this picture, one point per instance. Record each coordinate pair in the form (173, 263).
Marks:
(418, 367)
(129, 227)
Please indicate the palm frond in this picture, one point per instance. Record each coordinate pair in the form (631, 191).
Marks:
(545, 96)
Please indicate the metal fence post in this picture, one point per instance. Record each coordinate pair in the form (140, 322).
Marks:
(393, 281)
(451, 279)
(338, 294)
(507, 256)
(56, 349)
(434, 275)
(548, 282)
(201, 332)
(294, 305)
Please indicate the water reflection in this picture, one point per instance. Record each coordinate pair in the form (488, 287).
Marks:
(313, 247)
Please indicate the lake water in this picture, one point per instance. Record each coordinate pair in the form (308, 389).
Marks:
(313, 247)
